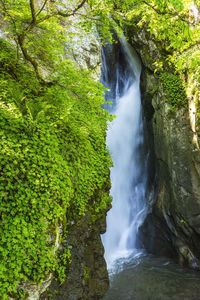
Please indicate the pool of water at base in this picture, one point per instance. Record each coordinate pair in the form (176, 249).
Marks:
(149, 278)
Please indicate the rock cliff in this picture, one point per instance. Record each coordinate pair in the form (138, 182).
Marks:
(86, 275)
(172, 227)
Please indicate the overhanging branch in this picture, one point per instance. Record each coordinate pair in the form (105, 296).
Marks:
(34, 22)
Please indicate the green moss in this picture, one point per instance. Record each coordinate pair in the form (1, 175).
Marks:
(86, 274)
(175, 91)
(154, 90)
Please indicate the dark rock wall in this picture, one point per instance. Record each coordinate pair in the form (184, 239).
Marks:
(86, 275)
(172, 227)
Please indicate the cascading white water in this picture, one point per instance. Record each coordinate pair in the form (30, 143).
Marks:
(125, 140)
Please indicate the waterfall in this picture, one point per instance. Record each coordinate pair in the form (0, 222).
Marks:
(121, 70)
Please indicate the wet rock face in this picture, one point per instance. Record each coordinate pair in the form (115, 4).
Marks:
(178, 179)
(173, 223)
(86, 275)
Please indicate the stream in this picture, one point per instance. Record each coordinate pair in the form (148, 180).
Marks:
(150, 278)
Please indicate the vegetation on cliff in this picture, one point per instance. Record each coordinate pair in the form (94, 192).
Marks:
(54, 162)
(175, 90)
(175, 23)
(175, 27)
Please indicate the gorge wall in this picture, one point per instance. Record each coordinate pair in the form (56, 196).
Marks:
(172, 227)
(86, 275)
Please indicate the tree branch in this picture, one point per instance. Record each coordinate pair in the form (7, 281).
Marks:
(60, 13)
(155, 9)
(34, 22)
(34, 63)
(28, 57)
(33, 11)
(41, 9)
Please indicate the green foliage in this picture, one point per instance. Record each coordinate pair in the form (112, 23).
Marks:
(86, 273)
(174, 88)
(18, 84)
(175, 28)
(168, 21)
(42, 34)
(53, 162)
(63, 260)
